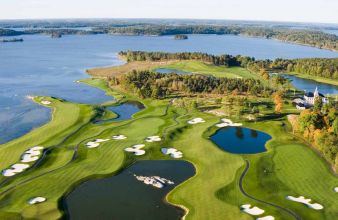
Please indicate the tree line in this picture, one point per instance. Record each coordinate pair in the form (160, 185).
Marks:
(312, 38)
(149, 84)
(323, 67)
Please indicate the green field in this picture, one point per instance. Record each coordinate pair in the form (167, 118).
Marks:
(218, 71)
(289, 167)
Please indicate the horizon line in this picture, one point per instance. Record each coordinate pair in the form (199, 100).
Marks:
(145, 18)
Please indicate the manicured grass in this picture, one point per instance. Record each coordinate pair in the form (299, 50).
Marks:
(287, 168)
(219, 71)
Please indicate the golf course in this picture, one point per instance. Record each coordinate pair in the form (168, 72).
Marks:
(88, 142)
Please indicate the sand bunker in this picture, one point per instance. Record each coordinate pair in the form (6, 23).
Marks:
(36, 200)
(174, 153)
(305, 201)
(136, 149)
(119, 137)
(46, 102)
(215, 112)
(252, 211)
(268, 217)
(153, 139)
(15, 169)
(155, 181)
(196, 121)
(32, 154)
(335, 189)
(227, 122)
(95, 143)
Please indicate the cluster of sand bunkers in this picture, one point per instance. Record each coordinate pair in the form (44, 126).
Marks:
(155, 181)
(44, 102)
(307, 202)
(95, 143)
(29, 156)
(256, 211)
(226, 123)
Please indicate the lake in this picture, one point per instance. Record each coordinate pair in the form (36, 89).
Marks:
(310, 85)
(124, 111)
(124, 197)
(240, 140)
(44, 66)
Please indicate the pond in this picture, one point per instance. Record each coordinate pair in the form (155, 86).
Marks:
(124, 197)
(310, 85)
(169, 70)
(239, 140)
(124, 111)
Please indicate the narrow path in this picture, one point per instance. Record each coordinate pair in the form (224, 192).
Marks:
(288, 211)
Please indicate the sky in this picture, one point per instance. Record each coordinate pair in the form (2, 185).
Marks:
(321, 11)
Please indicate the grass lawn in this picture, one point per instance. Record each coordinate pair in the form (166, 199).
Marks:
(287, 168)
(218, 71)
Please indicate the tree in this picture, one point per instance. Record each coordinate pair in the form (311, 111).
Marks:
(318, 104)
(264, 74)
(278, 100)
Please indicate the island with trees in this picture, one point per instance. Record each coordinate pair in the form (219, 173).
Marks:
(181, 37)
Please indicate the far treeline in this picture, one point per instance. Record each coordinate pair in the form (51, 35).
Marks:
(312, 38)
(299, 36)
(322, 67)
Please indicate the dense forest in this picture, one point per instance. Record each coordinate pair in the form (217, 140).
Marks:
(300, 36)
(156, 85)
(323, 67)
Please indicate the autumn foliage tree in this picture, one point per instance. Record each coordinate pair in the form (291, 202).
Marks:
(278, 100)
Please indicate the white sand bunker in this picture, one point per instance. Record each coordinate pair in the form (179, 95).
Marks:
(335, 189)
(174, 153)
(305, 201)
(196, 121)
(153, 139)
(136, 149)
(155, 181)
(268, 217)
(227, 122)
(15, 169)
(95, 143)
(252, 211)
(46, 102)
(32, 154)
(119, 137)
(36, 200)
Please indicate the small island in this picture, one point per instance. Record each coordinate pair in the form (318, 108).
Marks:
(181, 37)
(56, 35)
(11, 40)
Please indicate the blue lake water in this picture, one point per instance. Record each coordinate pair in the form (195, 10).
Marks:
(44, 66)
(124, 111)
(310, 85)
(239, 140)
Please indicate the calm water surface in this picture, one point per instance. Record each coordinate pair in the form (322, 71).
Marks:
(123, 197)
(124, 111)
(44, 66)
(239, 140)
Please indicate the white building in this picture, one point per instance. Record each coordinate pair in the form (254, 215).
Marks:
(309, 99)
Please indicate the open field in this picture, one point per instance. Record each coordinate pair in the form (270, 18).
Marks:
(218, 71)
(288, 167)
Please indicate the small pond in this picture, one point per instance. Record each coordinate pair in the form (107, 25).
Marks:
(124, 197)
(169, 70)
(124, 111)
(239, 140)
